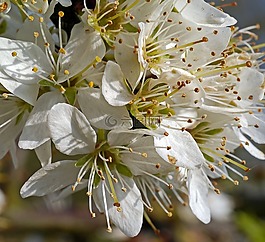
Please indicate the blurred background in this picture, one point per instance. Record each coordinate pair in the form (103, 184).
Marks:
(238, 212)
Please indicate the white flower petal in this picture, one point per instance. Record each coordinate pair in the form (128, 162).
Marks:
(248, 145)
(44, 153)
(250, 84)
(50, 178)
(129, 220)
(65, 3)
(200, 12)
(70, 131)
(125, 137)
(26, 33)
(184, 148)
(37, 6)
(25, 57)
(28, 93)
(127, 58)
(36, 131)
(83, 47)
(114, 89)
(67, 191)
(257, 134)
(100, 113)
(198, 191)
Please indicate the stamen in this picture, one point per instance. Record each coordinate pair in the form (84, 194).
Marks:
(109, 229)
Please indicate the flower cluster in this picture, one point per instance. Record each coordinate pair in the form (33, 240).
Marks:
(144, 98)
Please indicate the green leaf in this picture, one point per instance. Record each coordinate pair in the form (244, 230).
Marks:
(124, 170)
(70, 95)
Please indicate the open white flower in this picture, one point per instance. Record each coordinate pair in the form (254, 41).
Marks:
(167, 39)
(25, 69)
(106, 161)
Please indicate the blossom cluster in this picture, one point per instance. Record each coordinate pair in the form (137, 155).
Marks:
(146, 100)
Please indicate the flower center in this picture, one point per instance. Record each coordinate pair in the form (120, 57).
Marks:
(108, 18)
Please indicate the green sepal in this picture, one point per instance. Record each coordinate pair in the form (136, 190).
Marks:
(130, 28)
(45, 83)
(214, 131)
(82, 160)
(70, 95)
(3, 27)
(96, 180)
(207, 157)
(19, 117)
(167, 111)
(200, 127)
(124, 170)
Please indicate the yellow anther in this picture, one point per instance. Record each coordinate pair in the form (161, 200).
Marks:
(5, 95)
(3, 7)
(109, 230)
(144, 155)
(62, 51)
(93, 215)
(61, 14)
(91, 84)
(204, 39)
(169, 214)
(236, 182)
(98, 59)
(119, 209)
(66, 72)
(62, 89)
(245, 178)
(249, 64)
(170, 186)
(217, 191)
(51, 76)
(31, 18)
(172, 159)
(34, 69)
(14, 53)
(123, 189)
(89, 194)
(117, 204)
(223, 176)
(36, 34)
(41, 19)
(33, 1)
